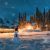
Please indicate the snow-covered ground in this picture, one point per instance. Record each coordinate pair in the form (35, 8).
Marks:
(7, 35)
(18, 44)
(27, 35)
(34, 35)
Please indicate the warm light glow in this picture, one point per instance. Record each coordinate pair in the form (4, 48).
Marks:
(27, 26)
(46, 25)
(6, 33)
(37, 27)
(29, 31)
(6, 30)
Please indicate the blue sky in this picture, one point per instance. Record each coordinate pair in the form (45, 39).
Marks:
(11, 8)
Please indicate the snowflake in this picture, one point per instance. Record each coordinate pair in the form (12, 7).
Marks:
(13, 14)
(6, 3)
(13, 7)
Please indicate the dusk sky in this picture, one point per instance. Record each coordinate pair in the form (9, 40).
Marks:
(11, 8)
